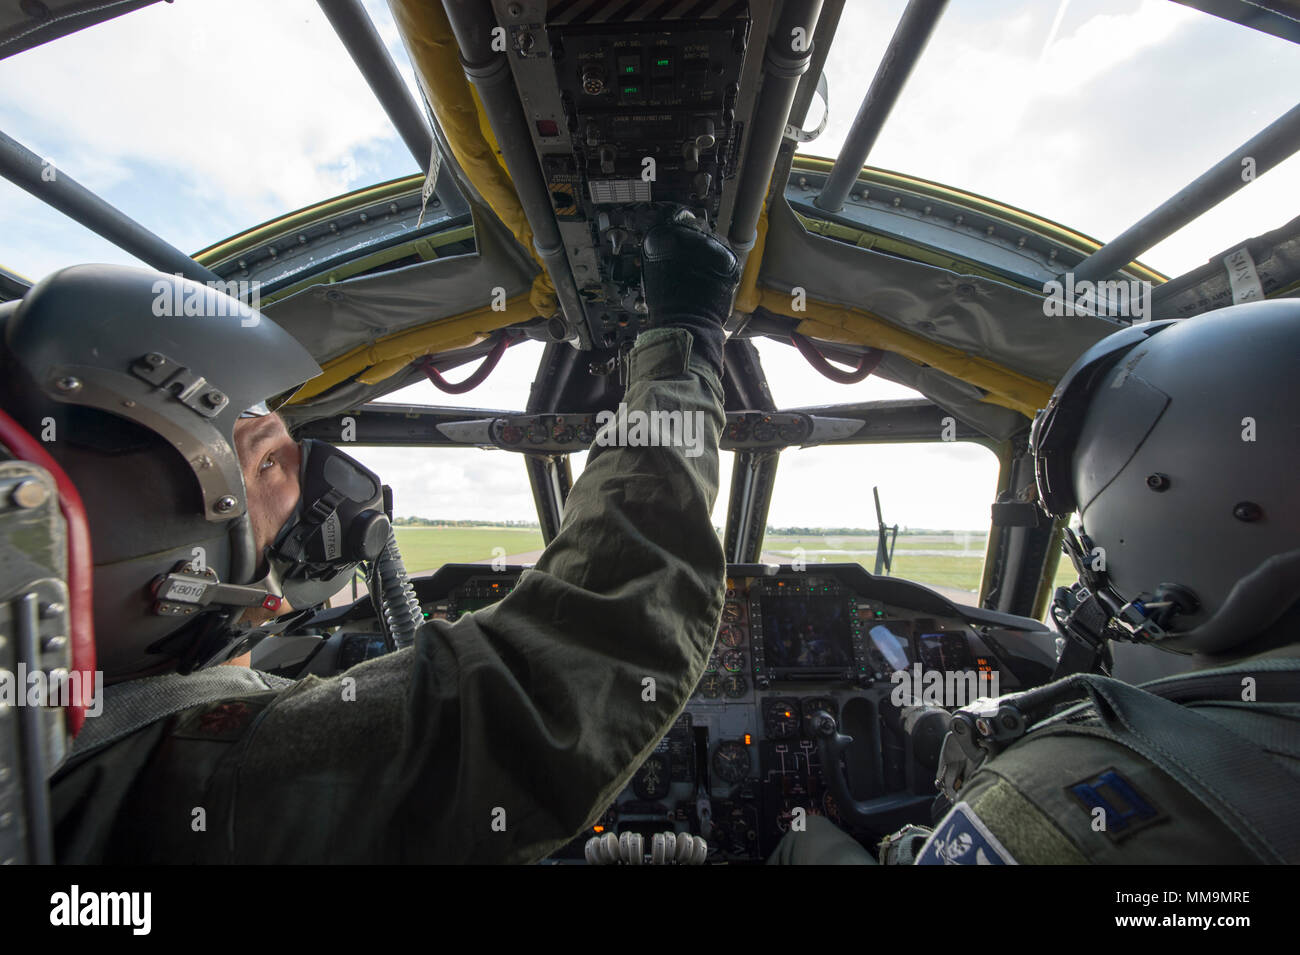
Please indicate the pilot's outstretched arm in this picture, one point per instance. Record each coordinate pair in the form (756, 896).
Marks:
(504, 735)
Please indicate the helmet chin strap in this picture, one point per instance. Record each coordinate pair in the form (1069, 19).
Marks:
(1092, 612)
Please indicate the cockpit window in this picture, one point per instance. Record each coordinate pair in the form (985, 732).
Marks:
(938, 494)
(1049, 106)
(262, 112)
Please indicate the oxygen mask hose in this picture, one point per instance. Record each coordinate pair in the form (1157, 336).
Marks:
(399, 605)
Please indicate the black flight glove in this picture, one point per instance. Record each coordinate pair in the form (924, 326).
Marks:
(690, 280)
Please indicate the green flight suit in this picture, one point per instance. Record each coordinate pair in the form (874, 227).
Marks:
(497, 738)
(1070, 792)
(1036, 802)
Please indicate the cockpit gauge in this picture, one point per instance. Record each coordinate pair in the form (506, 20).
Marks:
(781, 717)
(735, 686)
(730, 636)
(733, 661)
(653, 778)
(731, 761)
(733, 612)
(537, 433)
(711, 686)
(714, 662)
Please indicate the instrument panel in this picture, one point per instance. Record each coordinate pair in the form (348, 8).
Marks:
(742, 763)
(630, 111)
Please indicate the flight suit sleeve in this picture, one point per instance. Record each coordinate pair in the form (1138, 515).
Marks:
(1072, 796)
(504, 735)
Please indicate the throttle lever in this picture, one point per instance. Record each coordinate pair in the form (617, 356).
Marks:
(832, 745)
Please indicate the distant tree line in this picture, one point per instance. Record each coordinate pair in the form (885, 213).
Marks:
(859, 531)
(771, 531)
(436, 522)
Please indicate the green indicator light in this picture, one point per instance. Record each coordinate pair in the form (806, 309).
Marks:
(629, 69)
(631, 89)
(662, 62)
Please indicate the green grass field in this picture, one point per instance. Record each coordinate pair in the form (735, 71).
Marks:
(961, 570)
(428, 548)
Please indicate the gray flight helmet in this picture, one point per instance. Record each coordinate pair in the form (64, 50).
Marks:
(1177, 443)
(135, 379)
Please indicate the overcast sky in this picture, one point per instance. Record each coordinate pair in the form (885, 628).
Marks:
(201, 118)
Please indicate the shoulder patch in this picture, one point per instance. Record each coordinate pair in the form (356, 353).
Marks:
(1114, 805)
(961, 838)
(222, 721)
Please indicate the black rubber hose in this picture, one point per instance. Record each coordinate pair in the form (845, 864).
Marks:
(400, 607)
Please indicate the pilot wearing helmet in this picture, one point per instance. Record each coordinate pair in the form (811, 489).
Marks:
(497, 738)
(1177, 445)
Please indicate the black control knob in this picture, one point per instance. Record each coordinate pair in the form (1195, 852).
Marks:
(593, 80)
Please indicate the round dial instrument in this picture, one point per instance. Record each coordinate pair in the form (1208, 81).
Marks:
(731, 761)
(733, 661)
(781, 718)
(711, 686)
(653, 778)
(730, 636)
(733, 612)
(735, 686)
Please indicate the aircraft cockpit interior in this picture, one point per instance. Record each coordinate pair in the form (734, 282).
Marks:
(471, 188)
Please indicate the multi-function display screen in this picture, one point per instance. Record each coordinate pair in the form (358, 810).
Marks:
(802, 632)
(945, 651)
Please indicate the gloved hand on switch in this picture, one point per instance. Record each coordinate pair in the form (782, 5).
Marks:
(689, 278)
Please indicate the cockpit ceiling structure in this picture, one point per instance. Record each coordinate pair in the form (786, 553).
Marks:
(947, 284)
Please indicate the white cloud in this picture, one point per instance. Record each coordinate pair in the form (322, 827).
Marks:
(240, 108)
(1131, 101)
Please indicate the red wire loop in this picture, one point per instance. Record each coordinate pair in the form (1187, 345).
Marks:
(474, 380)
(867, 362)
(80, 566)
